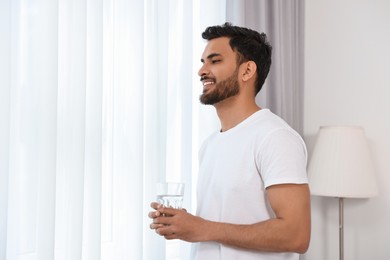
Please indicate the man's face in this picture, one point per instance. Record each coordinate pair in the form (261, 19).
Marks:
(219, 72)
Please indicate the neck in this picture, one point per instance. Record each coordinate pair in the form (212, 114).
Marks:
(231, 112)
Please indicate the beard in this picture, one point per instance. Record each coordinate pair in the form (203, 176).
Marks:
(222, 90)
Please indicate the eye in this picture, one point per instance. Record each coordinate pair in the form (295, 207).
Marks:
(215, 61)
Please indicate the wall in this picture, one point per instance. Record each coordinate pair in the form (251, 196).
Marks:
(347, 82)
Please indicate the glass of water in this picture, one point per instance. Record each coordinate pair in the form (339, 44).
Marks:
(170, 194)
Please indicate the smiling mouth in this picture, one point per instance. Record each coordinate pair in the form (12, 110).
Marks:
(207, 83)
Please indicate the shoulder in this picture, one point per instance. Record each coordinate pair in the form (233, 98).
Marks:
(271, 127)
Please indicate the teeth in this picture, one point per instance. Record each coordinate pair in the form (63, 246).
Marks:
(207, 83)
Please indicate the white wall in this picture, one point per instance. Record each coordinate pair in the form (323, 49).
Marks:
(347, 82)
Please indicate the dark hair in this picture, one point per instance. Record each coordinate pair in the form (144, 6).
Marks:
(250, 45)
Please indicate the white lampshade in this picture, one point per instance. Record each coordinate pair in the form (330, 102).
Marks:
(341, 165)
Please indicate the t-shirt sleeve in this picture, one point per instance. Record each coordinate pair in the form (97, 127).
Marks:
(282, 158)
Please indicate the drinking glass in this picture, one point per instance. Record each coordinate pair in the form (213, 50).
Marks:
(170, 194)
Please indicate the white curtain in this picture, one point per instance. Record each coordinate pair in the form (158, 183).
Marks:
(98, 101)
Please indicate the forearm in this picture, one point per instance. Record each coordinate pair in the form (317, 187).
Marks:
(274, 235)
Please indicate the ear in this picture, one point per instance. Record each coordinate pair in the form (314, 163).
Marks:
(248, 70)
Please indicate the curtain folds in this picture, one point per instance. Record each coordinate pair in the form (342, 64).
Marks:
(94, 111)
(98, 102)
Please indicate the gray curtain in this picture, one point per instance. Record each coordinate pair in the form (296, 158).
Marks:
(283, 22)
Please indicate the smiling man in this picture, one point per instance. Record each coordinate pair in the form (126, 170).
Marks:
(253, 200)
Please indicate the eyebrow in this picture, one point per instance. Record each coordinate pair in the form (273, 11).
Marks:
(212, 55)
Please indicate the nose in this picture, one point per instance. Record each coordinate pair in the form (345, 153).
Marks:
(203, 71)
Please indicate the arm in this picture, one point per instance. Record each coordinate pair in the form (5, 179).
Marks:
(289, 231)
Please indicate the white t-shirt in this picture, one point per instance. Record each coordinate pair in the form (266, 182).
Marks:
(235, 168)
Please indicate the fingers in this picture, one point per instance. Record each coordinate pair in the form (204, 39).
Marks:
(166, 231)
(163, 230)
(161, 211)
(169, 211)
(156, 205)
(171, 236)
(163, 221)
(154, 214)
(156, 226)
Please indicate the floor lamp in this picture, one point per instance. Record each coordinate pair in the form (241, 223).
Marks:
(341, 166)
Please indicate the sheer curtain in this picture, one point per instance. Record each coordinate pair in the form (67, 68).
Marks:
(98, 101)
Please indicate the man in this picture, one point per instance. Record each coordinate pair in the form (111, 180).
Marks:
(253, 198)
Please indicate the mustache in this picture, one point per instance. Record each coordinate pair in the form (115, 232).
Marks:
(205, 78)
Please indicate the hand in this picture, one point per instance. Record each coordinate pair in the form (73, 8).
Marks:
(177, 224)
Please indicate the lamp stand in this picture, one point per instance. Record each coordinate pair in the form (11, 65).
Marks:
(341, 228)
